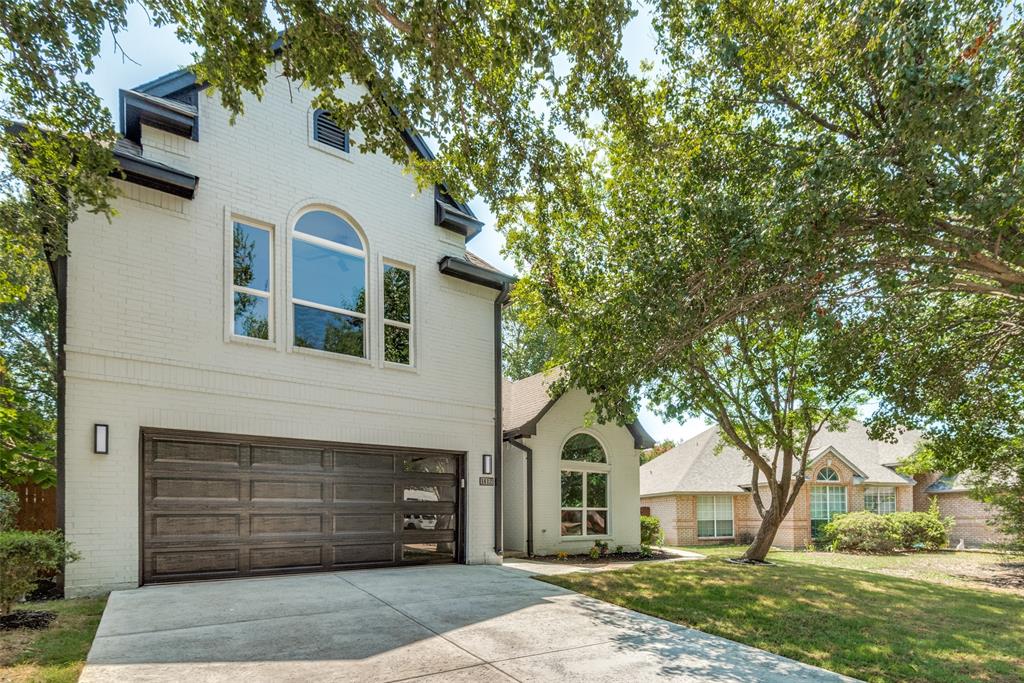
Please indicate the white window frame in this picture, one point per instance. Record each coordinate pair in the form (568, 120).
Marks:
(828, 500)
(385, 321)
(586, 468)
(876, 492)
(232, 218)
(716, 519)
(338, 247)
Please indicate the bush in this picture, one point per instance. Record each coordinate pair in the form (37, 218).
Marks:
(920, 530)
(24, 555)
(650, 531)
(9, 506)
(871, 533)
(862, 531)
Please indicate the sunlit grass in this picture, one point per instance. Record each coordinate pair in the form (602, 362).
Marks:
(55, 654)
(832, 612)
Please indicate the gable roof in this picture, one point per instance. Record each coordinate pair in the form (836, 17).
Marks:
(170, 102)
(696, 466)
(525, 401)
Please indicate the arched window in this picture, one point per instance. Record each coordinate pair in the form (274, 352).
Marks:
(583, 448)
(827, 500)
(327, 132)
(828, 474)
(328, 284)
(584, 487)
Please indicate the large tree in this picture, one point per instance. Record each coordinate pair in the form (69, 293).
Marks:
(863, 156)
(465, 74)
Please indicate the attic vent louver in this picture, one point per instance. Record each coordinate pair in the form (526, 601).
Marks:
(327, 132)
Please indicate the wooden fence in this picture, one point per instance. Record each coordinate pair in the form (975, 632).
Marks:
(38, 510)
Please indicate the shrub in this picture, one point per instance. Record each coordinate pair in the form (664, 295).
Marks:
(9, 506)
(24, 555)
(872, 533)
(650, 531)
(920, 530)
(595, 553)
(646, 550)
(862, 531)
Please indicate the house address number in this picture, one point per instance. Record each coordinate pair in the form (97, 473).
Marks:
(487, 481)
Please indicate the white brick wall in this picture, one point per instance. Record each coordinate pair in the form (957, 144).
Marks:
(566, 417)
(147, 321)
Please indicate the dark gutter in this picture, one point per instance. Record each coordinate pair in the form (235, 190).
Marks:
(470, 272)
(499, 440)
(641, 439)
(137, 108)
(451, 218)
(149, 173)
(529, 493)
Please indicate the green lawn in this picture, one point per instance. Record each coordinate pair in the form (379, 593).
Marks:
(56, 654)
(840, 612)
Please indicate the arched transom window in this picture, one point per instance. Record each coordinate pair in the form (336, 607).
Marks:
(584, 487)
(828, 474)
(583, 448)
(328, 284)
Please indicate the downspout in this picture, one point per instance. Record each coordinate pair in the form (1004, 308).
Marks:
(529, 493)
(498, 426)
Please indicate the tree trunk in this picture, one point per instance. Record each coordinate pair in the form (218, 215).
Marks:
(758, 550)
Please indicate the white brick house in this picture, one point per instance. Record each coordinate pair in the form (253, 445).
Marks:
(279, 356)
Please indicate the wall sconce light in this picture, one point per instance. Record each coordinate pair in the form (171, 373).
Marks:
(100, 439)
(488, 466)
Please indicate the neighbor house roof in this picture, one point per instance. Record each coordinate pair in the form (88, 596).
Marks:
(525, 401)
(698, 466)
(949, 483)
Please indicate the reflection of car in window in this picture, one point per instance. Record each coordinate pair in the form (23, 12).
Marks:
(422, 522)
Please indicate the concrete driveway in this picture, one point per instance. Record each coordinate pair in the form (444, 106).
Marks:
(440, 623)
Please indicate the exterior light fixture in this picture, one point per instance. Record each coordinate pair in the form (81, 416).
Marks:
(101, 439)
(488, 466)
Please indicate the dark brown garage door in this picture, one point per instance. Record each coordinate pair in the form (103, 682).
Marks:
(219, 506)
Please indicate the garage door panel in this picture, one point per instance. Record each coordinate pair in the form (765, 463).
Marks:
(286, 524)
(363, 492)
(276, 491)
(365, 462)
(364, 523)
(187, 452)
(379, 553)
(178, 564)
(286, 557)
(183, 527)
(225, 507)
(170, 489)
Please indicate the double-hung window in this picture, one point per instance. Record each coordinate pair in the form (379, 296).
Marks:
(584, 487)
(251, 281)
(880, 499)
(714, 516)
(398, 312)
(328, 285)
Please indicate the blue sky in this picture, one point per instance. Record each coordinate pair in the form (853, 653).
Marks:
(152, 52)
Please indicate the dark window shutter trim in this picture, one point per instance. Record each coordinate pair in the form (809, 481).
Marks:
(327, 132)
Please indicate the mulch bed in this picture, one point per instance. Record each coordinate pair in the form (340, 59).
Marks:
(605, 559)
(26, 619)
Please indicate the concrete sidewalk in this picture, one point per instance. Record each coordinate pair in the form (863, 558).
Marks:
(439, 623)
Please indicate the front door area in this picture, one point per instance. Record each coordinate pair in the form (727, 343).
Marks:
(217, 506)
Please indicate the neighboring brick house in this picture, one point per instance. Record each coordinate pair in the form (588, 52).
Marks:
(700, 490)
(952, 494)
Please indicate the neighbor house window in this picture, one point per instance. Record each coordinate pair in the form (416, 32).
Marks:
(328, 284)
(827, 501)
(584, 487)
(251, 281)
(327, 132)
(397, 314)
(880, 499)
(714, 516)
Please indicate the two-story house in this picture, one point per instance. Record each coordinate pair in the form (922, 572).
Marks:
(279, 356)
